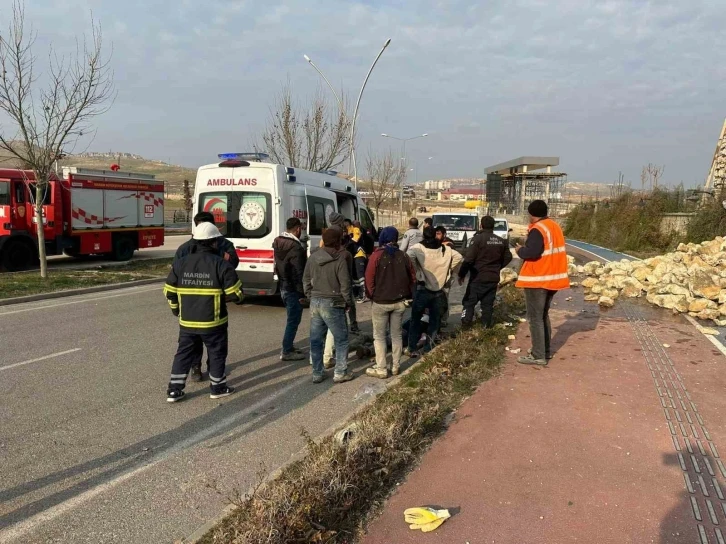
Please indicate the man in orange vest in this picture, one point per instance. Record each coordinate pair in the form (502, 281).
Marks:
(543, 273)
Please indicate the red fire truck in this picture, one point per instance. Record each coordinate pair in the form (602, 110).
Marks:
(85, 212)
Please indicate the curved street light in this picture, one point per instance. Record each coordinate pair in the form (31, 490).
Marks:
(332, 89)
(355, 112)
(337, 98)
(404, 140)
(357, 105)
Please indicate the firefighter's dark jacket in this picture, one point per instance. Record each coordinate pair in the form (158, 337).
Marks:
(224, 247)
(197, 289)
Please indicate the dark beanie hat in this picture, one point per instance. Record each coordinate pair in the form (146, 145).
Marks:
(337, 220)
(538, 208)
(331, 237)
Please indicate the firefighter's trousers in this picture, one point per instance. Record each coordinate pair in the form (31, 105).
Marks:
(189, 353)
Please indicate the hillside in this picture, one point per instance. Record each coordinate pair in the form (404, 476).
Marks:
(174, 176)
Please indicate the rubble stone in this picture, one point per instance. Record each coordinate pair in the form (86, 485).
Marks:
(698, 305)
(703, 284)
(690, 280)
(507, 275)
(708, 314)
(610, 293)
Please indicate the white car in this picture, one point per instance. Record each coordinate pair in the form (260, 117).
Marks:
(501, 227)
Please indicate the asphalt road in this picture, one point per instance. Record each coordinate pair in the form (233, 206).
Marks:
(171, 243)
(90, 451)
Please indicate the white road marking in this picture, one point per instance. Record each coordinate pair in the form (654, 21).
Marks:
(50, 306)
(20, 529)
(45, 357)
(599, 257)
(715, 341)
(605, 249)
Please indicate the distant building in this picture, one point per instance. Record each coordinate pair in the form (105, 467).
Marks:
(462, 194)
(437, 185)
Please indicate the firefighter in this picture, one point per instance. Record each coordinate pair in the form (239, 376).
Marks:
(197, 289)
(226, 250)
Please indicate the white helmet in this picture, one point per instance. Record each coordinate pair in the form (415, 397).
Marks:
(206, 231)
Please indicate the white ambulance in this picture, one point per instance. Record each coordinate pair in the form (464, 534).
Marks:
(252, 199)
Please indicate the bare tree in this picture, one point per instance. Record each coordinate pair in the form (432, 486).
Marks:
(187, 196)
(386, 175)
(619, 188)
(651, 175)
(48, 120)
(314, 136)
(655, 172)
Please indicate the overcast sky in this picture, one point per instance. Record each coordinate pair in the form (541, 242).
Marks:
(604, 85)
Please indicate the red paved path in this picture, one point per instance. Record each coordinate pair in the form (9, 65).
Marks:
(581, 451)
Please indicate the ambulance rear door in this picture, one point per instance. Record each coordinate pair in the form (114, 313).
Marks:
(243, 201)
(320, 204)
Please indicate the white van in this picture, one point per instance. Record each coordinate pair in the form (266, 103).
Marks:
(501, 227)
(460, 226)
(252, 199)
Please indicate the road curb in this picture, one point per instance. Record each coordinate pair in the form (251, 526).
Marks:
(75, 292)
(199, 533)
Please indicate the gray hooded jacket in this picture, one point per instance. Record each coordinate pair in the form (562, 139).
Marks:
(410, 238)
(327, 276)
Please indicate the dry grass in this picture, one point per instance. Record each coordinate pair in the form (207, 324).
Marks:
(326, 496)
(19, 284)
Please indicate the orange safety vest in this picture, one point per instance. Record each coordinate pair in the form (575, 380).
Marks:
(550, 270)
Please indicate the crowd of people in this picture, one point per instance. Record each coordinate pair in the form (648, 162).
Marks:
(416, 271)
(348, 269)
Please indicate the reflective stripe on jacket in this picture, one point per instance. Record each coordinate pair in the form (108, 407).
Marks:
(198, 286)
(550, 270)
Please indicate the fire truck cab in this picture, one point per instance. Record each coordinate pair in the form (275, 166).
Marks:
(252, 199)
(85, 212)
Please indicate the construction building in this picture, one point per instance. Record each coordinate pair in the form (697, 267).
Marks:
(512, 185)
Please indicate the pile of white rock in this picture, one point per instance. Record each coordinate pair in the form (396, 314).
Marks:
(690, 280)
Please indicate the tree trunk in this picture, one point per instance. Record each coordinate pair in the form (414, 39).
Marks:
(39, 193)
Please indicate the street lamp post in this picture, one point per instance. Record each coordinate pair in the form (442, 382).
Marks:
(332, 89)
(404, 140)
(337, 98)
(355, 112)
(357, 105)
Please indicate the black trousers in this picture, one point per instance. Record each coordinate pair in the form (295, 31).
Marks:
(479, 292)
(189, 353)
(538, 315)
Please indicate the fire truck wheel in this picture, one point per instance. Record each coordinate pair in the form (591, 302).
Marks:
(16, 256)
(123, 248)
